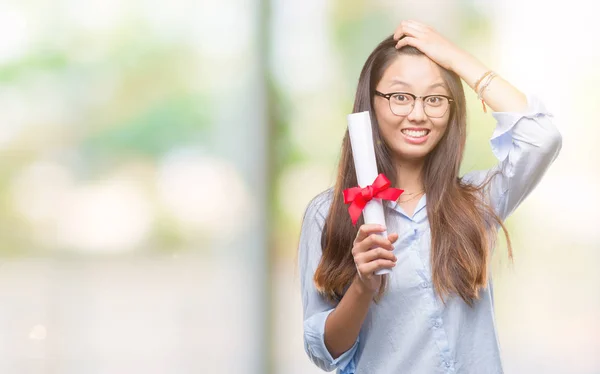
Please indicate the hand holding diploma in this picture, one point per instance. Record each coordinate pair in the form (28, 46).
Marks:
(371, 251)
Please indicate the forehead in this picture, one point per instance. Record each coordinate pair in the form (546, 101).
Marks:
(414, 73)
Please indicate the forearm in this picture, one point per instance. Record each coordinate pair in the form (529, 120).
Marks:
(499, 95)
(344, 323)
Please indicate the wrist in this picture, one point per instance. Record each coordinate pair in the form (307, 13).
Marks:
(361, 288)
(469, 68)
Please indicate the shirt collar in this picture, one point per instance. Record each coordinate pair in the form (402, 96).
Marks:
(395, 206)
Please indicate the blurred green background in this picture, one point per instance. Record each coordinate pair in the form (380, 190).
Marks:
(157, 157)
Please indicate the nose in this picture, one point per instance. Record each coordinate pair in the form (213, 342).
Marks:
(417, 114)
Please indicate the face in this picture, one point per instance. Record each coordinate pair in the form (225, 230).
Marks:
(412, 136)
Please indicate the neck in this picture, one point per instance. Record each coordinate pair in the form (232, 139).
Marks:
(410, 176)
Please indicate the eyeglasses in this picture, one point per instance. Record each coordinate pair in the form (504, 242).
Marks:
(402, 103)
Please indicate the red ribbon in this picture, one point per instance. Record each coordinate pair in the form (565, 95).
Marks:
(359, 197)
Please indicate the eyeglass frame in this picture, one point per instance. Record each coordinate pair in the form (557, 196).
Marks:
(415, 97)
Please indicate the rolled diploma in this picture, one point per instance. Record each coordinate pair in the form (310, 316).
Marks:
(363, 152)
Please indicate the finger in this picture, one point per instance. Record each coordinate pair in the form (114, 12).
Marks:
(402, 30)
(374, 241)
(407, 41)
(367, 229)
(374, 255)
(371, 267)
(407, 28)
(393, 237)
(398, 33)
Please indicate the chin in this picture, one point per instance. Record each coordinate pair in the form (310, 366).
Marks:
(414, 151)
(412, 155)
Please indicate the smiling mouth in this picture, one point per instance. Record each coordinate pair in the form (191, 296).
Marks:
(415, 133)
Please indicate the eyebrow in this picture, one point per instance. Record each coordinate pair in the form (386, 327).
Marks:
(440, 84)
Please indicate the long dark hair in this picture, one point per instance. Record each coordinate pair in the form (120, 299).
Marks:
(463, 225)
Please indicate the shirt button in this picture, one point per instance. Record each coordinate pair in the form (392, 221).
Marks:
(436, 324)
(425, 285)
(447, 364)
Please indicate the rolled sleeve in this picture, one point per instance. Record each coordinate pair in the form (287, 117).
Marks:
(314, 344)
(525, 144)
(506, 125)
(316, 308)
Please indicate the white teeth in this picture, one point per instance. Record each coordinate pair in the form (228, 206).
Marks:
(415, 133)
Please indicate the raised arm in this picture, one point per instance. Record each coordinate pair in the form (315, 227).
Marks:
(525, 141)
(525, 144)
(500, 95)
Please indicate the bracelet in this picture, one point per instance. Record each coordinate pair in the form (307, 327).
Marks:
(480, 79)
(483, 87)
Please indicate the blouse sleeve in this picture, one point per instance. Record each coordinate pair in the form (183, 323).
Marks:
(525, 145)
(315, 308)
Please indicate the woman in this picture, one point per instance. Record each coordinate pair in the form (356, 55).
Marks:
(434, 312)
